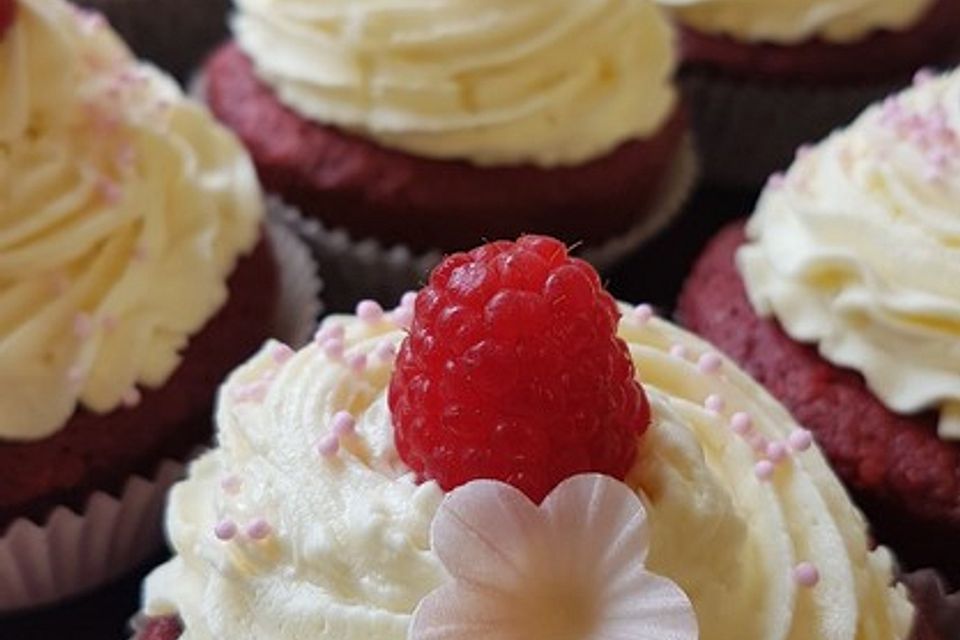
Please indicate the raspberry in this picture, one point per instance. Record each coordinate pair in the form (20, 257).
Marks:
(8, 9)
(513, 371)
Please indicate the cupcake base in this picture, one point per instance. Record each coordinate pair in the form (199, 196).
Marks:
(899, 472)
(358, 269)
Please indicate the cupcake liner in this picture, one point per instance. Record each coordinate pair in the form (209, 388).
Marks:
(358, 269)
(747, 131)
(938, 613)
(173, 34)
(74, 552)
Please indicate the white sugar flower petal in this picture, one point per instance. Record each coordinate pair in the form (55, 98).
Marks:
(484, 533)
(595, 514)
(571, 569)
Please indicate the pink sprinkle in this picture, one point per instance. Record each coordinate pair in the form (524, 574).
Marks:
(642, 313)
(328, 446)
(923, 76)
(109, 191)
(343, 424)
(803, 151)
(763, 470)
(714, 403)
(800, 440)
(282, 353)
(741, 423)
(231, 484)
(110, 323)
(678, 351)
(330, 332)
(385, 352)
(357, 363)
(806, 574)
(776, 452)
(253, 392)
(369, 311)
(333, 348)
(402, 317)
(83, 325)
(131, 397)
(777, 181)
(409, 299)
(709, 363)
(259, 529)
(757, 442)
(225, 530)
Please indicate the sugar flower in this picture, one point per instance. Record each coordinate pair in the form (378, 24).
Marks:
(571, 569)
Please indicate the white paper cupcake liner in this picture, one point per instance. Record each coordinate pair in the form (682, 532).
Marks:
(748, 131)
(72, 552)
(173, 34)
(357, 269)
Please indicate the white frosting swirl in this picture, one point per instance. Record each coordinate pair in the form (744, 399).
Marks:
(496, 83)
(349, 557)
(122, 211)
(858, 250)
(794, 21)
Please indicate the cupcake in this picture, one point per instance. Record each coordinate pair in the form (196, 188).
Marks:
(428, 127)
(765, 76)
(482, 462)
(132, 278)
(841, 296)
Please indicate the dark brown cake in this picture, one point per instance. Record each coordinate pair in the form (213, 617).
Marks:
(904, 477)
(353, 183)
(879, 58)
(99, 452)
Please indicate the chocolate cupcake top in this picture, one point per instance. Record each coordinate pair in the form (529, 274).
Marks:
(308, 521)
(495, 83)
(123, 208)
(857, 249)
(794, 21)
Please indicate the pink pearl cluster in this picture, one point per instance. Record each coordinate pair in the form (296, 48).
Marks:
(343, 425)
(930, 132)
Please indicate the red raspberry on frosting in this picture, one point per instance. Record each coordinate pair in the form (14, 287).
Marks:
(8, 9)
(513, 371)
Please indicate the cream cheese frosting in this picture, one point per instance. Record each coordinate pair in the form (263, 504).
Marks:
(497, 83)
(794, 21)
(276, 541)
(123, 208)
(857, 249)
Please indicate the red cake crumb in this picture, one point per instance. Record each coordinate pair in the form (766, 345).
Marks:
(161, 629)
(353, 183)
(99, 452)
(899, 471)
(879, 58)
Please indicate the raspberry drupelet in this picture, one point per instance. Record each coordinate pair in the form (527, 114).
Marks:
(8, 10)
(513, 371)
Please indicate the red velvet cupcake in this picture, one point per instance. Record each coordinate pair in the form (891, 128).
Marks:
(427, 129)
(511, 454)
(132, 278)
(765, 76)
(842, 298)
